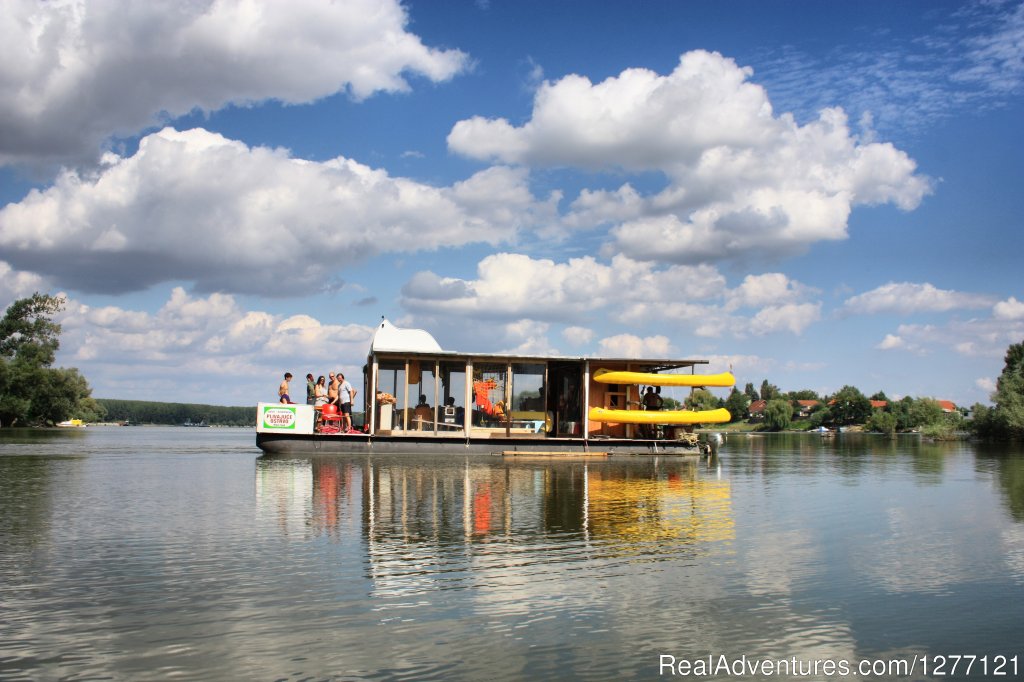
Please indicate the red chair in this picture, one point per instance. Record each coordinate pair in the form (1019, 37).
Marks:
(330, 420)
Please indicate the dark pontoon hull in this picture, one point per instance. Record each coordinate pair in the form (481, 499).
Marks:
(279, 443)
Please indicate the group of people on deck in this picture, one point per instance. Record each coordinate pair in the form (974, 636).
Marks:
(323, 391)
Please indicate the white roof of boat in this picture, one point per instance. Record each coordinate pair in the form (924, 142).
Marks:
(391, 339)
(388, 337)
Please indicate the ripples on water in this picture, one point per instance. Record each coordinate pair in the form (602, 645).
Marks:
(153, 553)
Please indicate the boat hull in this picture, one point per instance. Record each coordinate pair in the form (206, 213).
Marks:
(286, 444)
(674, 417)
(606, 376)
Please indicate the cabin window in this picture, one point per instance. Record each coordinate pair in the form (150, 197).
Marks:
(528, 396)
(489, 403)
(391, 387)
(422, 395)
(451, 406)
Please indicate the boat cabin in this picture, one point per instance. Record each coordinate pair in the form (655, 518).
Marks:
(416, 388)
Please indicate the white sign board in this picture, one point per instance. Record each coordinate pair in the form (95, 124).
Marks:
(280, 418)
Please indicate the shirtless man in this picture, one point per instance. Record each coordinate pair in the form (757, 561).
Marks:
(332, 391)
(282, 390)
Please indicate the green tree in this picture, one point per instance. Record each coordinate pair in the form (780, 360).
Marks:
(778, 414)
(668, 403)
(849, 406)
(803, 394)
(28, 333)
(821, 417)
(30, 390)
(769, 391)
(738, 404)
(900, 410)
(702, 399)
(1005, 420)
(882, 422)
(924, 412)
(880, 396)
(751, 392)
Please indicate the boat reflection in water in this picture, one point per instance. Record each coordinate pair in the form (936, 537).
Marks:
(423, 523)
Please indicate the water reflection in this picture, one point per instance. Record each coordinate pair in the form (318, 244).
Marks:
(145, 552)
(638, 508)
(1008, 466)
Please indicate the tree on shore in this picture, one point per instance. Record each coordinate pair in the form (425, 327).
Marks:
(849, 406)
(702, 399)
(769, 391)
(738, 404)
(1006, 419)
(31, 391)
(778, 414)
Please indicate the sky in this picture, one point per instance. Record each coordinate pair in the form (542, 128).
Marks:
(817, 194)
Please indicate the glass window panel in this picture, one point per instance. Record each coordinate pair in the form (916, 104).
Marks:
(489, 405)
(422, 390)
(391, 387)
(528, 396)
(452, 397)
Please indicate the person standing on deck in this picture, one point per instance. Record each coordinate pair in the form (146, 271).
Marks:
(310, 390)
(346, 394)
(282, 390)
(332, 391)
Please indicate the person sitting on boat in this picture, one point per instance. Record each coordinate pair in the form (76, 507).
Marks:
(282, 390)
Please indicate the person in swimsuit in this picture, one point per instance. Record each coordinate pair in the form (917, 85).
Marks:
(282, 390)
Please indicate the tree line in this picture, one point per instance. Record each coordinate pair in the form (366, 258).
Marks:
(149, 412)
(1004, 420)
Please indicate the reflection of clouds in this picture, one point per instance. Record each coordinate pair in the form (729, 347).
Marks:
(777, 560)
(810, 637)
(919, 554)
(1013, 546)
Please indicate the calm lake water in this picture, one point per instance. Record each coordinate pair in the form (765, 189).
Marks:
(152, 553)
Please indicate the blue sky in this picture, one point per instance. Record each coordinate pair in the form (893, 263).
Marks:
(818, 194)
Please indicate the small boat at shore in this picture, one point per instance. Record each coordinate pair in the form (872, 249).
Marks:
(71, 424)
(419, 398)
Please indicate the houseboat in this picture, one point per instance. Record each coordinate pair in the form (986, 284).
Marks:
(419, 398)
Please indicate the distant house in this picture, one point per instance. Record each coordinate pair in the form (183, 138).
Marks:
(947, 405)
(757, 409)
(879, 404)
(805, 407)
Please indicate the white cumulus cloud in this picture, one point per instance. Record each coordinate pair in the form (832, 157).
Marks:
(195, 206)
(909, 297)
(1010, 309)
(73, 73)
(512, 285)
(135, 354)
(633, 346)
(741, 180)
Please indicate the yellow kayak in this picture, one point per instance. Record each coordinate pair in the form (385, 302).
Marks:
(607, 376)
(719, 416)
